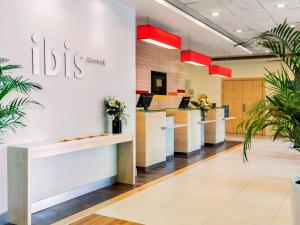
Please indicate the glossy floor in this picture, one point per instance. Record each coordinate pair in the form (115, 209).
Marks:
(221, 191)
(66, 209)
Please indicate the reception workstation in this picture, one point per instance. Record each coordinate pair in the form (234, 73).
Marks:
(174, 132)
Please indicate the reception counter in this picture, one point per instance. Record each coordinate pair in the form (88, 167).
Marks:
(215, 132)
(188, 138)
(150, 139)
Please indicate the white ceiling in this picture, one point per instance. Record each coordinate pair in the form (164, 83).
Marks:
(251, 16)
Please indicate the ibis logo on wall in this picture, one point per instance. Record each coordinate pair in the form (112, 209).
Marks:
(54, 62)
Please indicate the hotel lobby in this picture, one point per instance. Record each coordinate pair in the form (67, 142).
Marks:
(150, 112)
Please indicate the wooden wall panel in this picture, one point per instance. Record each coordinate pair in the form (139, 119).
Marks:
(150, 57)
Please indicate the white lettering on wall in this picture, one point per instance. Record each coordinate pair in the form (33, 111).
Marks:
(52, 60)
(35, 55)
(68, 72)
(78, 61)
(73, 62)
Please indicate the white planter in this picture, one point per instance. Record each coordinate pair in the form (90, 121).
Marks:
(296, 200)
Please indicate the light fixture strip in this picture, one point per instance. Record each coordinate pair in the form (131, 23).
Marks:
(158, 36)
(203, 25)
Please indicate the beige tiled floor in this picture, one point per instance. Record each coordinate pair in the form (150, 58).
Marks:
(222, 191)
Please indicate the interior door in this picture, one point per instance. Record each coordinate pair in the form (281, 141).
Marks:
(252, 94)
(240, 95)
(233, 96)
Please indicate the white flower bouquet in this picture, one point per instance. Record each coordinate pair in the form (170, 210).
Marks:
(115, 108)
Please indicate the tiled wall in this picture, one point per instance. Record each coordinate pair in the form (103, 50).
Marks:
(149, 57)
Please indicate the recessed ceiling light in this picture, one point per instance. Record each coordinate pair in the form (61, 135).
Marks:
(239, 31)
(267, 51)
(215, 14)
(292, 25)
(281, 5)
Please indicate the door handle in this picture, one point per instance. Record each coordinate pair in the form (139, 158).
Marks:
(244, 108)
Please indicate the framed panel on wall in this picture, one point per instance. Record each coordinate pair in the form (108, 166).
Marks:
(158, 83)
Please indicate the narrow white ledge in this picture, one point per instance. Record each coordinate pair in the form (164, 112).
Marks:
(229, 118)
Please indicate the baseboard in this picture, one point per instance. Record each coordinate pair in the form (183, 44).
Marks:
(57, 199)
(3, 218)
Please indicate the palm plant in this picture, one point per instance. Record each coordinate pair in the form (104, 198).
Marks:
(13, 105)
(281, 109)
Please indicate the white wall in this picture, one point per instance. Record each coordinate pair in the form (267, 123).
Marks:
(202, 83)
(102, 29)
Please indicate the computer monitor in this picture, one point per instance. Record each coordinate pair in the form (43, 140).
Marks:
(226, 111)
(184, 102)
(145, 100)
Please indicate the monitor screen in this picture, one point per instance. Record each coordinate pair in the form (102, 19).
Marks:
(145, 100)
(184, 102)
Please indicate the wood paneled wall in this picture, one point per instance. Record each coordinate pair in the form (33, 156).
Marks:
(150, 57)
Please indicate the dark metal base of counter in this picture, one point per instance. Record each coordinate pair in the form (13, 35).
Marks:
(187, 154)
(149, 168)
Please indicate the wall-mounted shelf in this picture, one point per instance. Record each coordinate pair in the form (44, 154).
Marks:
(176, 125)
(229, 118)
(19, 159)
(207, 121)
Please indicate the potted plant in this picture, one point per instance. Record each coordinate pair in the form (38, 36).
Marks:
(204, 105)
(280, 111)
(13, 109)
(115, 108)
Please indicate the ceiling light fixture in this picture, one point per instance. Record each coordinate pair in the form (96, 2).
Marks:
(201, 24)
(159, 37)
(239, 31)
(195, 58)
(281, 5)
(267, 51)
(220, 71)
(292, 25)
(215, 14)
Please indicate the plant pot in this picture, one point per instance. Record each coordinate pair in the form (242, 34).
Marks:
(296, 200)
(117, 126)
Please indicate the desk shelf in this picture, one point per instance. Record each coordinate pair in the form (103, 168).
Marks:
(19, 159)
(176, 125)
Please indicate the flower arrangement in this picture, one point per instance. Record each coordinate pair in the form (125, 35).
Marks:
(115, 108)
(204, 104)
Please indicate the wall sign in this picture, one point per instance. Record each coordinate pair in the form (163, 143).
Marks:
(73, 63)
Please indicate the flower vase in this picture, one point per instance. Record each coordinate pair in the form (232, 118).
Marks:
(203, 114)
(117, 126)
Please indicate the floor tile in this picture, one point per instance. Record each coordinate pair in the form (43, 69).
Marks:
(284, 215)
(196, 202)
(246, 213)
(216, 221)
(174, 217)
(127, 211)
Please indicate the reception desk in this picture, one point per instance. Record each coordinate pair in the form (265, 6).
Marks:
(188, 138)
(150, 139)
(215, 132)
